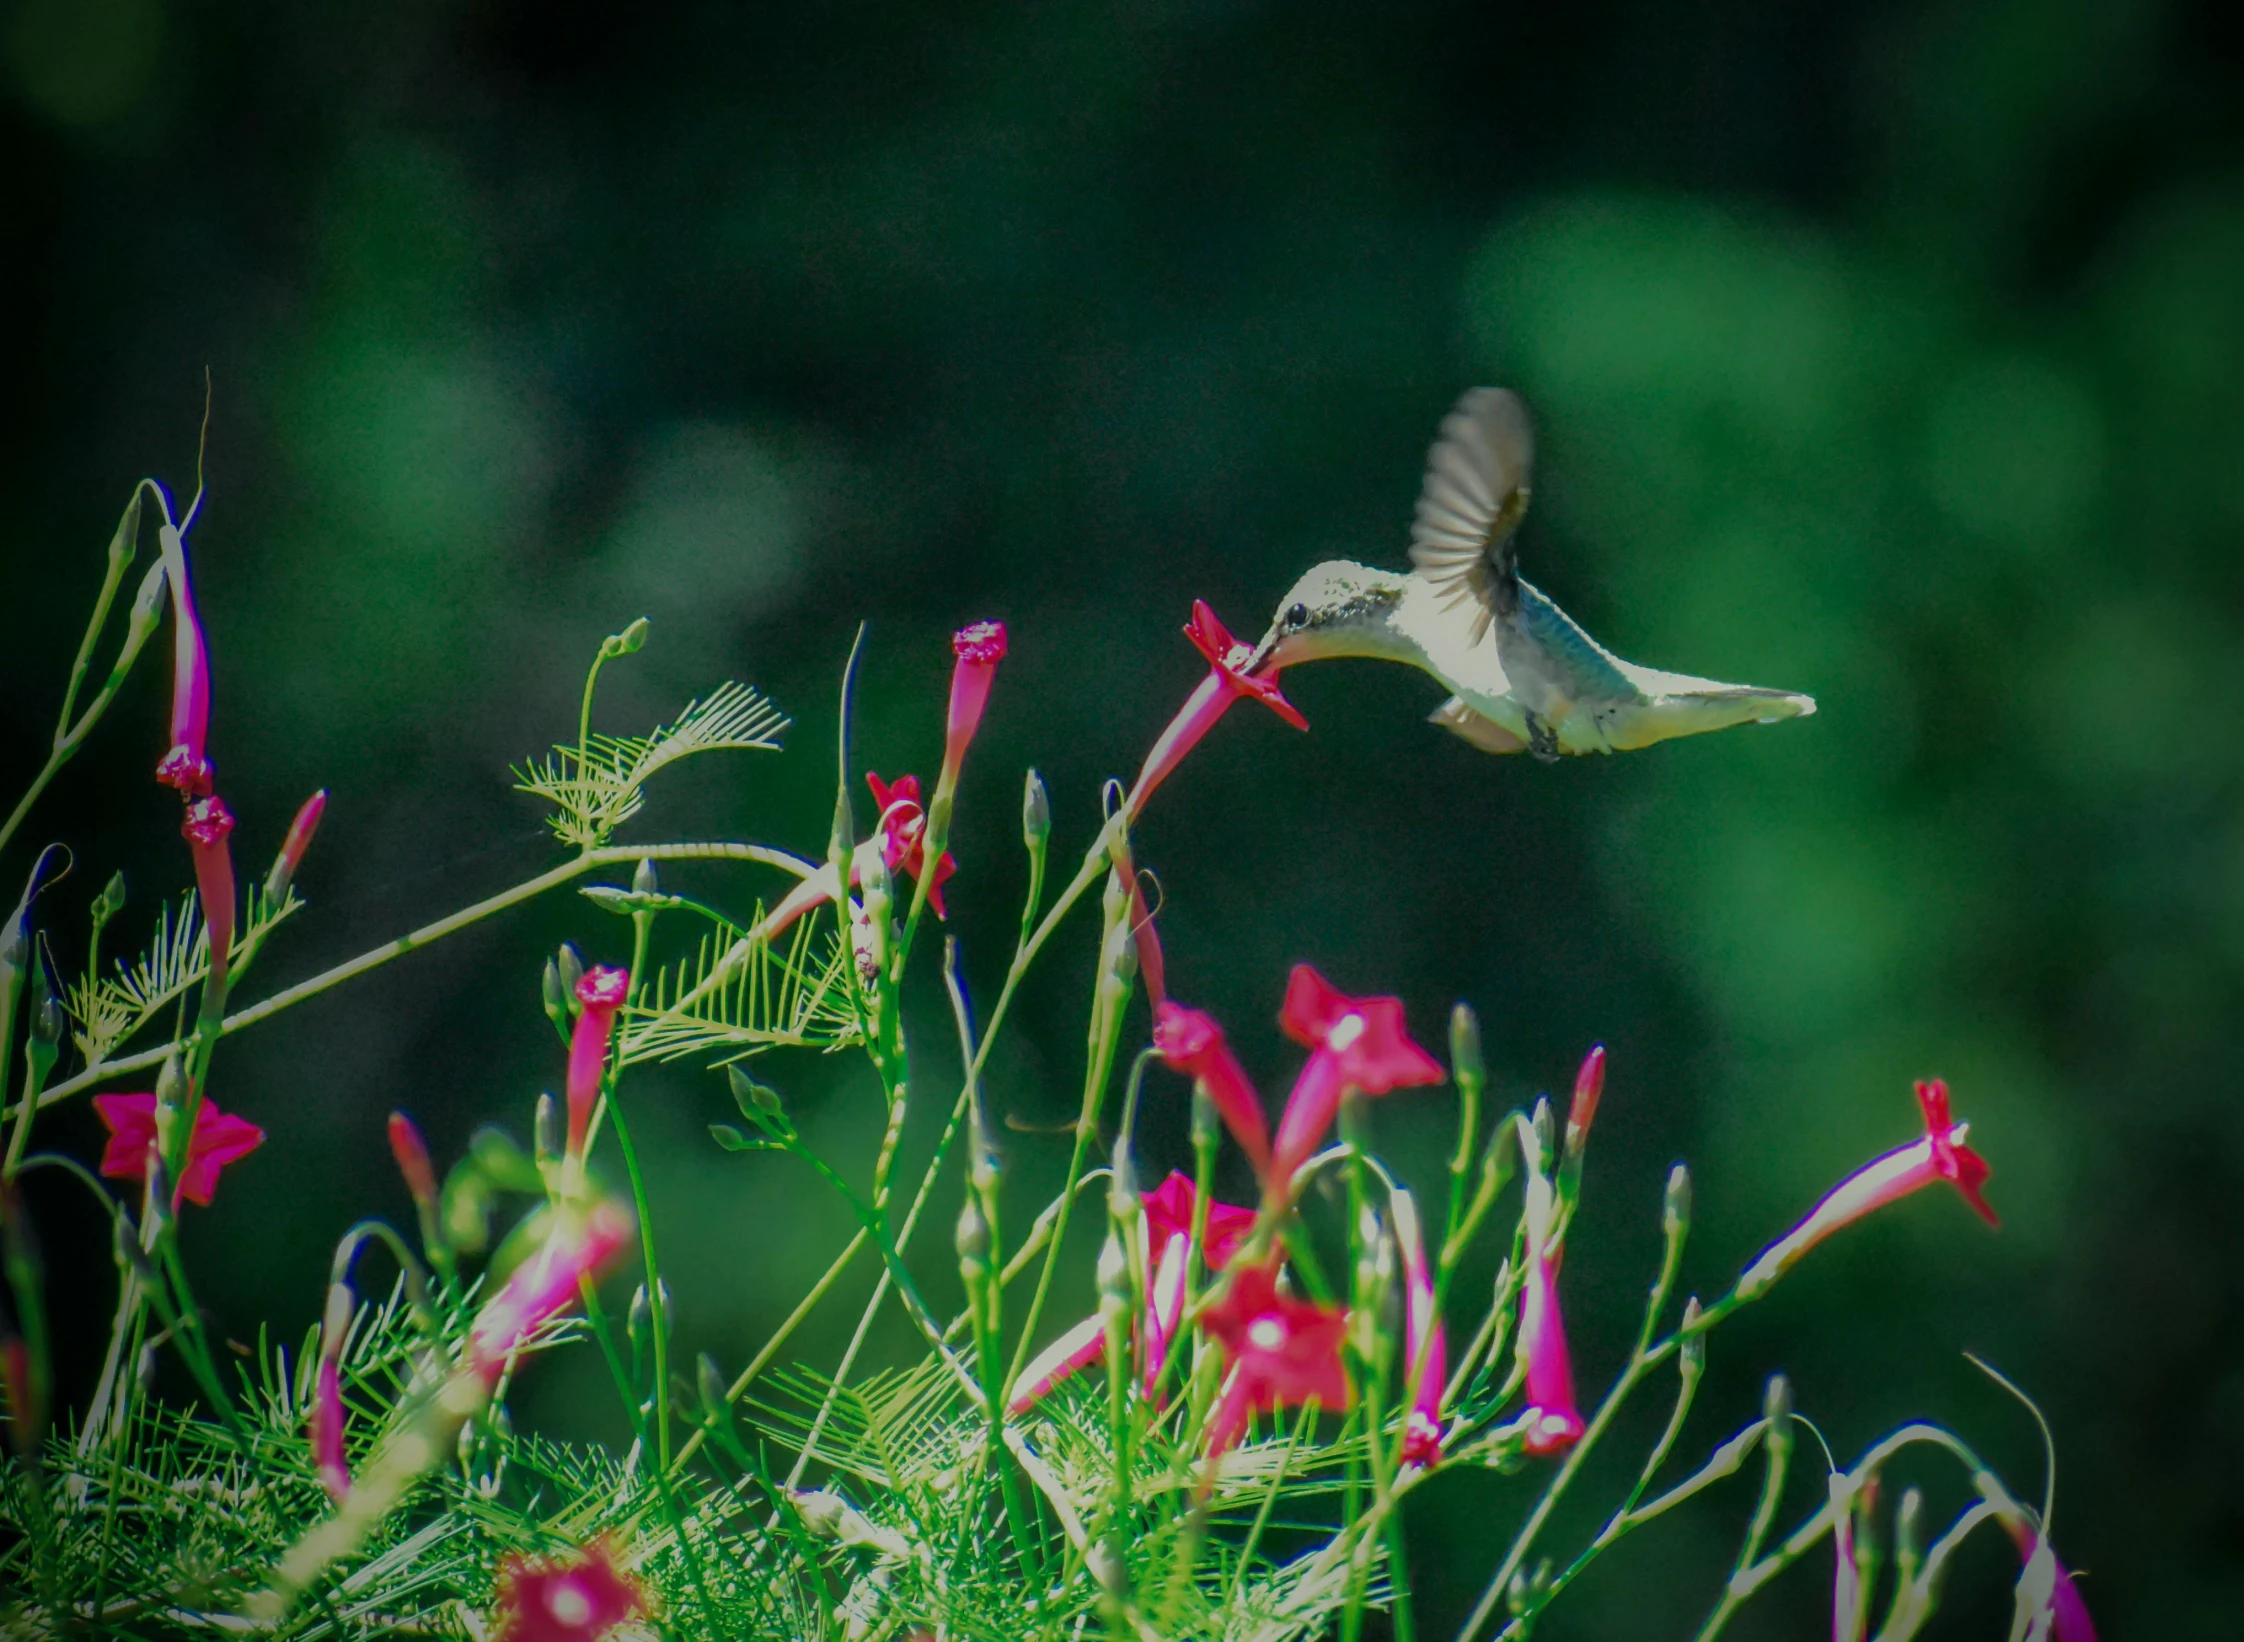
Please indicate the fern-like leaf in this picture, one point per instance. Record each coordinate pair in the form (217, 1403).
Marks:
(594, 790)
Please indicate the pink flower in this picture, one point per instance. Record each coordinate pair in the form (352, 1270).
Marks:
(327, 1432)
(601, 991)
(979, 649)
(543, 1285)
(572, 1599)
(2045, 1581)
(1940, 1155)
(1191, 1042)
(1552, 1421)
(1279, 1350)
(1356, 1043)
(292, 848)
(903, 829)
(1426, 1370)
(1169, 1213)
(185, 766)
(412, 1154)
(1226, 683)
(219, 1139)
(1143, 935)
(205, 828)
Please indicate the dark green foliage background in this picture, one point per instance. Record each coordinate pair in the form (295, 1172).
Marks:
(1887, 351)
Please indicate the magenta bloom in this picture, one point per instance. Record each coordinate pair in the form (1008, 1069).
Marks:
(327, 1432)
(979, 649)
(1553, 1422)
(206, 827)
(1227, 681)
(292, 848)
(1355, 1043)
(1279, 1350)
(543, 1286)
(1940, 1155)
(185, 766)
(219, 1139)
(573, 1599)
(1169, 1212)
(601, 991)
(1191, 1042)
(903, 834)
(1426, 1369)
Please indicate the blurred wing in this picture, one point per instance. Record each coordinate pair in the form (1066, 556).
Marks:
(1476, 489)
(1483, 732)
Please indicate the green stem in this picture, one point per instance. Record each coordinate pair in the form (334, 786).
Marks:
(590, 860)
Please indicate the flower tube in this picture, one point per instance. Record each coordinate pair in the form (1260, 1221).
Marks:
(185, 766)
(1280, 1351)
(542, 1287)
(1552, 1422)
(1355, 1043)
(328, 1454)
(979, 648)
(601, 991)
(1227, 680)
(205, 828)
(1190, 1041)
(1426, 1366)
(1940, 1155)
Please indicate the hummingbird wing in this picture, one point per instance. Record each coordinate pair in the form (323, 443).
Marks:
(1479, 729)
(1475, 492)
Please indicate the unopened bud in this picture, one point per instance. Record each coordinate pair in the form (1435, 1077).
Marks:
(111, 900)
(545, 1132)
(46, 1016)
(412, 1154)
(1036, 812)
(555, 997)
(1675, 1213)
(292, 848)
(147, 607)
(1546, 1129)
(709, 1380)
(643, 880)
(171, 1083)
(639, 1322)
(750, 1096)
(1589, 1085)
(335, 1320)
(1114, 1274)
(1908, 1533)
(1465, 1064)
(630, 639)
(1692, 1346)
(1122, 1193)
(972, 1238)
(571, 968)
(1776, 1408)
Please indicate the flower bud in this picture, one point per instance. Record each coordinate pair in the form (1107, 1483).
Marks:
(1908, 1534)
(1692, 1347)
(709, 1380)
(1776, 1408)
(1036, 813)
(1589, 1086)
(571, 971)
(972, 1239)
(630, 640)
(751, 1097)
(111, 900)
(643, 880)
(555, 997)
(1675, 1213)
(639, 1322)
(292, 849)
(1114, 1275)
(1546, 1129)
(147, 609)
(1465, 1064)
(335, 1319)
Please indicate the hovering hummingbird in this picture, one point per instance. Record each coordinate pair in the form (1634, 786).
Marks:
(1524, 675)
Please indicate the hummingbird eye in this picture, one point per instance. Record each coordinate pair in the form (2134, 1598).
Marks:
(1297, 615)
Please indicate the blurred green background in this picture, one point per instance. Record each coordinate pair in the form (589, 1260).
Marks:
(1893, 352)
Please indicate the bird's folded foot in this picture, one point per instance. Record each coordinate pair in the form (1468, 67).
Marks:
(1542, 740)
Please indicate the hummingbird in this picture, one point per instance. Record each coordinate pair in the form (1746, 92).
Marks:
(1523, 675)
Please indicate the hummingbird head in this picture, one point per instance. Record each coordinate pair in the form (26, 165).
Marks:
(1337, 608)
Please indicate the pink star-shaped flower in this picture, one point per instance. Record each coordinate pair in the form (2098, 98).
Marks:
(219, 1139)
(1227, 681)
(1280, 1351)
(1355, 1043)
(903, 826)
(571, 1599)
(1190, 1041)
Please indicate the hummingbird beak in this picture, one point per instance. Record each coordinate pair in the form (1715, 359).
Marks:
(1264, 650)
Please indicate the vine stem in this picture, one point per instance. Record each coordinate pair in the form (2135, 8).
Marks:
(427, 934)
